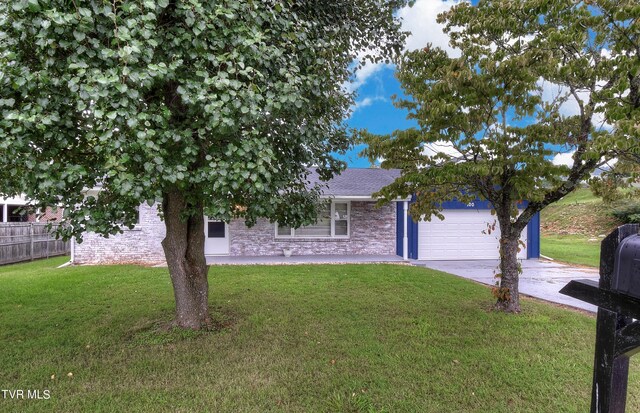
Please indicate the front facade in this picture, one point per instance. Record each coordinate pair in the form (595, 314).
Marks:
(351, 224)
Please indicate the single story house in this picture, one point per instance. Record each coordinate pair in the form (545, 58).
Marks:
(16, 209)
(352, 224)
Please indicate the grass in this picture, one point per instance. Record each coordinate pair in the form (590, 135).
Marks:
(342, 338)
(579, 196)
(569, 224)
(575, 249)
(579, 213)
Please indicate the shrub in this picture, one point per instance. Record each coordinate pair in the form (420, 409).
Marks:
(627, 211)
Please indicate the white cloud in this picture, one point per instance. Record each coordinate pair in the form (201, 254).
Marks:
(447, 148)
(368, 101)
(420, 20)
(570, 106)
(563, 159)
(362, 75)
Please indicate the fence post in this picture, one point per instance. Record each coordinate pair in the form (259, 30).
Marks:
(31, 241)
(47, 243)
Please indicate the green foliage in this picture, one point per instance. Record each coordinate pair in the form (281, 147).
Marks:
(627, 212)
(486, 125)
(605, 188)
(487, 110)
(227, 102)
(611, 184)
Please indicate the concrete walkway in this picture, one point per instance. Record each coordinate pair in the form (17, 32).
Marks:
(304, 259)
(541, 279)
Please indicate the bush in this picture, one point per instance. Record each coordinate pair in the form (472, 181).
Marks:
(628, 211)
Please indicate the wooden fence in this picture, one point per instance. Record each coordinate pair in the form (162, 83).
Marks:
(24, 241)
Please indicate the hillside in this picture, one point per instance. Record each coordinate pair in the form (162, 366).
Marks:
(573, 228)
(579, 213)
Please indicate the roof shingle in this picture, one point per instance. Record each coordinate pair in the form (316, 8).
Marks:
(356, 181)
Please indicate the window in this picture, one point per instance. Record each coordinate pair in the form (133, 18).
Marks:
(332, 222)
(215, 229)
(17, 213)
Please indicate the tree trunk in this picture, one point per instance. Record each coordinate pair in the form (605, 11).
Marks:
(507, 292)
(184, 250)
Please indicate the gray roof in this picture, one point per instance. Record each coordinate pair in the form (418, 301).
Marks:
(356, 181)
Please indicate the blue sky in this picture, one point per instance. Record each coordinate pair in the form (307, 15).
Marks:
(375, 84)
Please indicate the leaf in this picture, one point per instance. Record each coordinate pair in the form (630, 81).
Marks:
(83, 11)
(79, 36)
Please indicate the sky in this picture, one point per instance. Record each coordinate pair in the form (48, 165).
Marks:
(375, 84)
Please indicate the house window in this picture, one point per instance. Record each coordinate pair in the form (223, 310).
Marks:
(332, 222)
(215, 229)
(17, 213)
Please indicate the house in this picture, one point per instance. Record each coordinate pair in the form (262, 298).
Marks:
(16, 210)
(352, 224)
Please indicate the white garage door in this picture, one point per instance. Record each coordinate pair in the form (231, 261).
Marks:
(460, 237)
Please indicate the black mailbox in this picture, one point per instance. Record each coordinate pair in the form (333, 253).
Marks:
(626, 270)
(617, 296)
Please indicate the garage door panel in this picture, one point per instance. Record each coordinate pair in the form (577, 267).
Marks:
(460, 236)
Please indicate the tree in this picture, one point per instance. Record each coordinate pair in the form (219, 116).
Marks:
(533, 80)
(209, 108)
(612, 182)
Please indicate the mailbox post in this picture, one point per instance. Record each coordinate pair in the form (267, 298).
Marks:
(617, 296)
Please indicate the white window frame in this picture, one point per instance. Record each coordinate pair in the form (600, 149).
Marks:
(333, 235)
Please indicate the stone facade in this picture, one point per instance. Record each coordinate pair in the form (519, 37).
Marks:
(373, 232)
(140, 245)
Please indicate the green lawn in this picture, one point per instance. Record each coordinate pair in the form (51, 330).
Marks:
(574, 249)
(569, 224)
(343, 338)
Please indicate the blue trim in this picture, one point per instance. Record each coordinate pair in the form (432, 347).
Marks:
(412, 232)
(475, 204)
(533, 237)
(399, 228)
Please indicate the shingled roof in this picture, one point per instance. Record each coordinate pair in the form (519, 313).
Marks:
(357, 181)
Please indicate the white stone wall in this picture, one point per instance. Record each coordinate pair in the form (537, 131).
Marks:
(373, 232)
(140, 245)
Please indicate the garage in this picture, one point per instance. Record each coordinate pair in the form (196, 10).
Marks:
(462, 235)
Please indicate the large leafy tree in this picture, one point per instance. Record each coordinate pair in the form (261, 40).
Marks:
(533, 79)
(207, 107)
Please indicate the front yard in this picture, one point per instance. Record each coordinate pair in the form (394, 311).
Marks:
(573, 228)
(341, 338)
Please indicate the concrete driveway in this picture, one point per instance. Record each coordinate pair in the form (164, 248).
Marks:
(539, 278)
